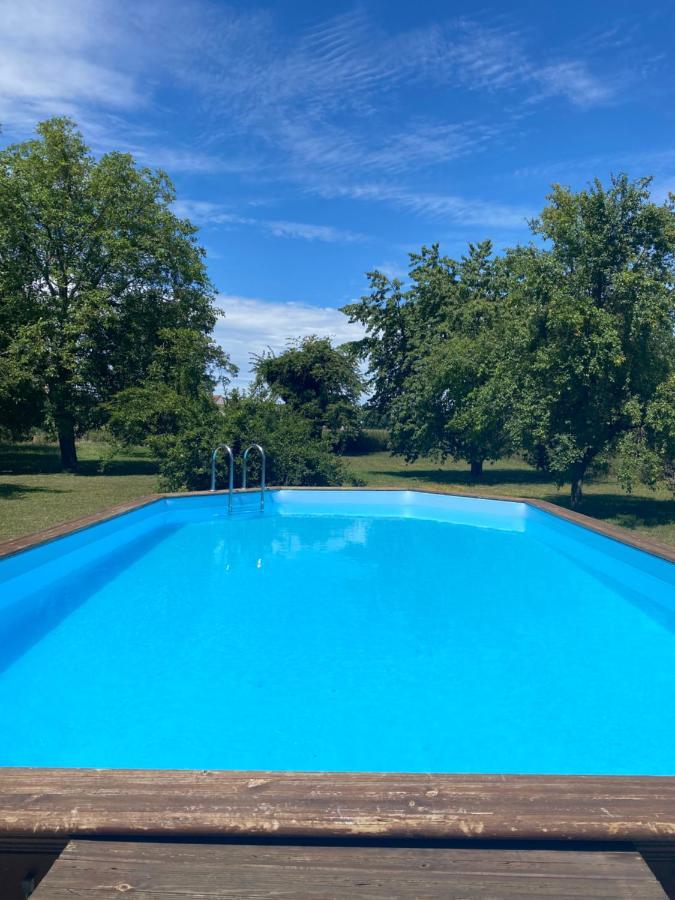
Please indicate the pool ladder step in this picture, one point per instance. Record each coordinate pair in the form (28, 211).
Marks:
(230, 457)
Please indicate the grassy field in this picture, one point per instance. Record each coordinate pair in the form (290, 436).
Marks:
(652, 513)
(34, 494)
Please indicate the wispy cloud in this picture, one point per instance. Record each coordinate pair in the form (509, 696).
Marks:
(317, 109)
(55, 58)
(204, 212)
(571, 79)
(496, 59)
(178, 159)
(660, 163)
(436, 206)
(297, 96)
(392, 269)
(251, 326)
(309, 232)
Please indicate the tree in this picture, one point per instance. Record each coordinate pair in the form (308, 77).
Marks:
(96, 272)
(432, 353)
(592, 350)
(317, 380)
(177, 393)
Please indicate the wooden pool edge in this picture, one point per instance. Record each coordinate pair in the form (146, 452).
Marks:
(38, 804)
(615, 532)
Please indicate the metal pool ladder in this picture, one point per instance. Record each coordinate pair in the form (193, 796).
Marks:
(263, 459)
(230, 456)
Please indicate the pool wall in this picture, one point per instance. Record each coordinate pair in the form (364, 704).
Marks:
(515, 512)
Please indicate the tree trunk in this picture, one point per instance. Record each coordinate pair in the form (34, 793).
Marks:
(578, 474)
(477, 468)
(66, 431)
(576, 493)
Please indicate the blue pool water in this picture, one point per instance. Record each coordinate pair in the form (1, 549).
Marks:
(364, 631)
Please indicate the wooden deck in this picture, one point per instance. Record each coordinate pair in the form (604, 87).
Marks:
(42, 809)
(105, 870)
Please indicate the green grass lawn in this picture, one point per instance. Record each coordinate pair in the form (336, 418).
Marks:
(35, 494)
(652, 513)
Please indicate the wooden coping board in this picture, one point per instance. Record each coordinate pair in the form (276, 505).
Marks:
(105, 870)
(184, 805)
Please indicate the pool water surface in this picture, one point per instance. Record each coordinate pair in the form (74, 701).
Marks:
(339, 631)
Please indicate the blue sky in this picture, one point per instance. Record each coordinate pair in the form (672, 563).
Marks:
(312, 142)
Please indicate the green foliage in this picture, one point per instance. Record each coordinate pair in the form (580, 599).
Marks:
(295, 456)
(592, 342)
(318, 381)
(565, 350)
(432, 352)
(181, 429)
(646, 453)
(96, 272)
(21, 399)
(177, 395)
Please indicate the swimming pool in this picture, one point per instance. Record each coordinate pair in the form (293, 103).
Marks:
(384, 631)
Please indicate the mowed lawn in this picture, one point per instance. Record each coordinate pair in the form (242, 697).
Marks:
(34, 494)
(652, 513)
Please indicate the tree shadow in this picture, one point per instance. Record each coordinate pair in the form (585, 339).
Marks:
(43, 459)
(119, 467)
(490, 477)
(624, 509)
(8, 491)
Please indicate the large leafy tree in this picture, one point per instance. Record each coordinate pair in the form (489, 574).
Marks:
(97, 275)
(432, 353)
(315, 379)
(592, 347)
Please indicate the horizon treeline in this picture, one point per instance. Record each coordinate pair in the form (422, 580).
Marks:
(562, 350)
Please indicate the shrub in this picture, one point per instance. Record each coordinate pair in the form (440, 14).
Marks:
(181, 434)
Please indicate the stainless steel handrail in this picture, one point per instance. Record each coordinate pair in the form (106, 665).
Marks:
(231, 478)
(263, 457)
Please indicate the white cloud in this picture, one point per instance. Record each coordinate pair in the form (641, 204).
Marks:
(204, 212)
(55, 59)
(179, 159)
(491, 58)
(251, 326)
(571, 79)
(658, 163)
(436, 206)
(317, 109)
(309, 232)
(392, 270)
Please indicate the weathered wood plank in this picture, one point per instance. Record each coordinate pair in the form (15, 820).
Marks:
(150, 870)
(87, 802)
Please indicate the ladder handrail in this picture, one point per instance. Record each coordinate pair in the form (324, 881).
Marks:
(231, 467)
(263, 457)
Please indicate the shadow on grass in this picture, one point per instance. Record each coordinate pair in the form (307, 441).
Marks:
(121, 467)
(490, 478)
(42, 459)
(624, 509)
(8, 491)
